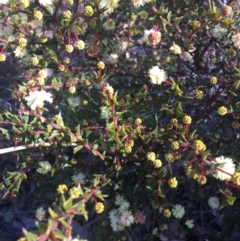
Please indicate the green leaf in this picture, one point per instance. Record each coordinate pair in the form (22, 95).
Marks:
(231, 200)
(169, 16)
(236, 84)
(78, 130)
(67, 205)
(54, 134)
(65, 224)
(76, 149)
(177, 20)
(156, 131)
(53, 215)
(55, 83)
(148, 187)
(73, 139)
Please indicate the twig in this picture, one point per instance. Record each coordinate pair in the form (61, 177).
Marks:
(29, 146)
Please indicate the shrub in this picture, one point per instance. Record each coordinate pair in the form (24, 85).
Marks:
(126, 115)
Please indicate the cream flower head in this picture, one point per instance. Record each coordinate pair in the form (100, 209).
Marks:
(236, 40)
(37, 98)
(152, 37)
(223, 169)
(157, 75)
(213, 202)
(178, 211)
(218, 31)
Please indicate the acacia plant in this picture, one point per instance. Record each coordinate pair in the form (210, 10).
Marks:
(126, 114)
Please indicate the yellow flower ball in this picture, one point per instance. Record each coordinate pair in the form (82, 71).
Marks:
(213, 80)
(2, 57)
(43, 39)
(157, 163)
(61, 67)
(99, 207)
(169, 157)
(198, 145)
(202, 180)
(187, 120)
(74, 192)
(172, 182)
(62, 189)
(175, 145)
(138, 121)
(68, 48)
(100, 65)
(151, 156)
(167, 213)
(34, 61)
(222, 110)
(72, 89)
(236, 178)
(199, 94)
(88, 11)
(37, 15)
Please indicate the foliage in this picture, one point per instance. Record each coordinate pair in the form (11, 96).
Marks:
(129, 110)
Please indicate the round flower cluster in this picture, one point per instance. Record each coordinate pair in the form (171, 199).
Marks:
(198, 145)
(223, 168)
(178, 211)
(121, 217)
(108, 91)
(169, 157)
(22, 42)
(99, 207)
(213, 80)
(80, 45)
(151, 156)
(236, 178)
(199, 94)
(201, 179)
(167, 213)
(78, 179)
(213, 202)
(44, 168)
(88, 11)
(68, 48)
(74, 192)
(175, 49)
(43, 39)
(2, 57)
(138, 121)
(157, 75)
(62, 189)
(172, 182)
(187, 120)
(37, 15)
(34, 61)
(152, 37)
(222, 110)
(72, 89)
(100, 65)
(67, 14)
(157, 163)
(109, 24)
(143, 15)
(175, 145)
